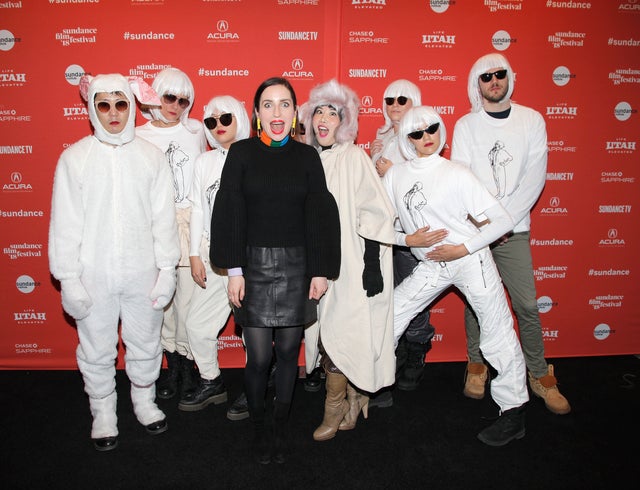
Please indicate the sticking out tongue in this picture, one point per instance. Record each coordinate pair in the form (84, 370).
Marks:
(277, 127)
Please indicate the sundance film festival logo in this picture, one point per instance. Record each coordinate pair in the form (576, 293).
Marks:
(554, 208)
(23, 250)
(561, 111)
(73, 74)
(503, 5)
(607, 301)
(297, 70)
(223, 34)
(440, 6)
(26, 285)
(7, 40)
(10, 5)
(368, 108)
(561, 76)
(602, 331)
(623, 111)
(612, 239)
(567, 39)
(16, 184)
(147, 71)
(77, 35)
(545, 303)
(625, 75)
(550, 272)
(502, 40)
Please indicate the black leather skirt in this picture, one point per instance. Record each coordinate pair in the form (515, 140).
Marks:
(276, 289)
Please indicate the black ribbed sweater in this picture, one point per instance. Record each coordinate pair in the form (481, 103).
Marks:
(275, 197)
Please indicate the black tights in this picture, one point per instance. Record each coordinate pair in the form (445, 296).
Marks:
(260, 343)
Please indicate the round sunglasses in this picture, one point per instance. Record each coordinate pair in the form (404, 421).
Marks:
(225, 119)
(120, 105)
(402, 100)
(170, 99)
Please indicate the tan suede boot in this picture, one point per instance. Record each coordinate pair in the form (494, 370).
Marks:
(475, 380)
(335, 407)
(547, 389)
(357, 403)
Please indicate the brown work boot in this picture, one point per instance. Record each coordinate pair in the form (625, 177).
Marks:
(475, 379)
(547, 389)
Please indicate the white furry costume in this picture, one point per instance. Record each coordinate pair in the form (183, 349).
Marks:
(209, 308)
(441, 194)
(181, 144)
(355, 330)
(113, 245)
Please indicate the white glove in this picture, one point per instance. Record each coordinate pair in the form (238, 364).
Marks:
(164, 288)
(75, 299)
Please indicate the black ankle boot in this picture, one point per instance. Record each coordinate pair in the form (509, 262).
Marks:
(207, 392)
(239, 409)
(167, 386)
(410, 377)
(189, 377)
(280, 419)
(260, 447)
(509, 426)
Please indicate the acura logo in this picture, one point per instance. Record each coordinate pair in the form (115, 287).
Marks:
(297, 64)
(367, 100)
(554, 202)
(223, 26)
(613, 233)
(16, 177)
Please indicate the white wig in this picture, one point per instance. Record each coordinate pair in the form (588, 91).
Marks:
(396, 89)
(483, 65)
(342, 99)
(110, 83)
(417, 118)
(176, 82)
(224, 104)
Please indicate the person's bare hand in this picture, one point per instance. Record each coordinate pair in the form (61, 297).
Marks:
(422, 237)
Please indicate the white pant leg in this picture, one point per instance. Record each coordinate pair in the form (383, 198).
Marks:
(478, 279)
(141, 326)
(208, 314)
(417, 291)
(98, 341)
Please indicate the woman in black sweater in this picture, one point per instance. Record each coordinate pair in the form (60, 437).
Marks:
(275, 227)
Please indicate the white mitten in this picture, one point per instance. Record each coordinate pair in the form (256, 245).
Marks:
(75, 299)
(164, 288)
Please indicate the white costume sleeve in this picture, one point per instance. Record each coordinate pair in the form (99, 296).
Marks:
(500, 222)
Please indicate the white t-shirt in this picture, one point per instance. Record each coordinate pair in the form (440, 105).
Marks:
(181, 147)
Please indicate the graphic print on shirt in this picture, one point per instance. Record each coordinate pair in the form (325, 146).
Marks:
(210, 193)
(177, 159)
(499, 158)
(414, 201)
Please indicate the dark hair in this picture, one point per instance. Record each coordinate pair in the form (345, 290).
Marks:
(270, 82)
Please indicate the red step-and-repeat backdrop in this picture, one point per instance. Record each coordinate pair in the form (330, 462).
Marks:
(576, 62)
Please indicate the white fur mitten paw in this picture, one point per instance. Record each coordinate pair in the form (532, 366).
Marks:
(75, 299)
(164, 288)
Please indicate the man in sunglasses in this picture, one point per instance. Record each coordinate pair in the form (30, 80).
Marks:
(182, 140)
(505, 145)
(113, 245)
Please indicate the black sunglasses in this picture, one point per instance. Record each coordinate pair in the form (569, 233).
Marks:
(416, 135)
(212, 122)
(402, 100)
(170, 99)
(500, 74)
